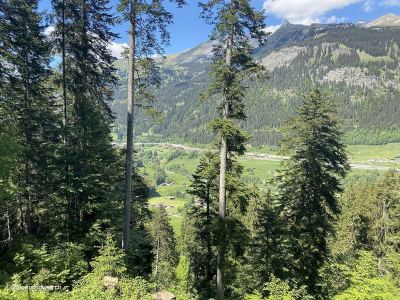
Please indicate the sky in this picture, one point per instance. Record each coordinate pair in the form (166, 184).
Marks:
(188, 30)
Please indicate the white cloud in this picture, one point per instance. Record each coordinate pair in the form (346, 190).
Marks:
(49, 30)
(334, 19)
(368, 5)
(117, 49)
(392, 2)
(305, 11)
(273, 28)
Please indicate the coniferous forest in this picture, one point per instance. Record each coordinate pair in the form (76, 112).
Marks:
(97, 204)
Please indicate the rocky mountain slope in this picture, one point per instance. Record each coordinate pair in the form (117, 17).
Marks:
(357, 65)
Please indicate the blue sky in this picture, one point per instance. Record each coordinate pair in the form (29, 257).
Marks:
(189, 30)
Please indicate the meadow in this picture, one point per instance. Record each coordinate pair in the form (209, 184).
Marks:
(176, 166)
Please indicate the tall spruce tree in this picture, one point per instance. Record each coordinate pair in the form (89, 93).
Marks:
(9, 152)
(268, 261)
(197, 237)
(235, 22)
(27, 100)
(164, 249)
(82, 35)
(61, 17)
(308, 188)
(148, 35)
(202, 228)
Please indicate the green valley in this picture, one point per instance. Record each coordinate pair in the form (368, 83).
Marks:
(175, 164)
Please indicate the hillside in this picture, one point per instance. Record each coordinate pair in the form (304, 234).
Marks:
(389, 20)
(357, 65)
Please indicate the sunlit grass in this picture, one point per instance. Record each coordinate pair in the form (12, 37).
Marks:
(180, 169)
(366, 153)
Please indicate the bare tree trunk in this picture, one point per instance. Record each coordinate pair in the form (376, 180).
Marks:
(64, 80)
(65, 121)
(129, 137)
(8, 230)
(157, 258)
(209, 250)
(222, 185)
(28, 210)
(221, 214)
(26, 192)
(382, 234)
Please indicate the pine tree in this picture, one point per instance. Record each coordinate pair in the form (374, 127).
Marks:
(201, 228)
(9, 152)
(3, 66)
(148, 35)
(235, 21)
(164, 249)
(199, 223)
(354, 225)
(183, 276)
(139, 255)
(369, 222)
(109, 263)
(81, 36)
(308, 186)
(62, 14)
(267, 257)
(27, 100)
(385, 218)
(8, 141)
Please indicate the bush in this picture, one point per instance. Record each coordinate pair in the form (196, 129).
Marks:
(175, 154)
(367, 283)
(8, 294)
(111, 262)
(278, 289)
(60, 266)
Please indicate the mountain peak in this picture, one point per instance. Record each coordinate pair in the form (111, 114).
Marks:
(389, 20)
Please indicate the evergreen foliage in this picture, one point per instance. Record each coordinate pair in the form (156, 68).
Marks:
(307, 189)
(147, 36)
(27, 101)
(201, 227)
(111, 263)
(233, 22)
(310, 233)
(82, 34)
(165, 257)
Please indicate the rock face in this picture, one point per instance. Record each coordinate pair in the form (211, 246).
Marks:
(388, 20)
(281, 58)
(352, 77)
(164, 296)
(109, 282)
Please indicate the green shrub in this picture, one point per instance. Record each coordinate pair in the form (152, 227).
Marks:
(60, 266)
(367, 283)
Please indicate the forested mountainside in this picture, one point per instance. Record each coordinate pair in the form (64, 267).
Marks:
(356, 64)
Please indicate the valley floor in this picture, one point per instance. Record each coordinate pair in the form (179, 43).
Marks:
(178, 162)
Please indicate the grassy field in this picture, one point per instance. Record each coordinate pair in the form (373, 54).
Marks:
(372, 153)
(178, 165)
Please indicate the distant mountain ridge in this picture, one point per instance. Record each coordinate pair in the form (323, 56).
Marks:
(389, 20)
(357, 64)
(288, 31)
